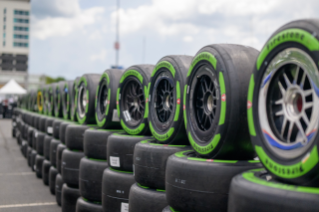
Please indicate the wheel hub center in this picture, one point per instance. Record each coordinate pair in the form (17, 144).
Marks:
(136, 103)
(166, 102)
(293, 103)
(208, 102)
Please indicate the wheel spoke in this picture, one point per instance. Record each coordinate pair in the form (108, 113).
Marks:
(305, 118)
(279, 102)
(282, 90)
(203, 89)
(302, 82)
(284, 123)
(288, 83)
(308, 105)
(291, 125)
(280, 113)
(307, 92)
(296, 75)
(301, 130)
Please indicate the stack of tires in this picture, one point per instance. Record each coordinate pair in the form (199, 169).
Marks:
(95, 141)
(74, 134)
(230, 129)
(283, 117)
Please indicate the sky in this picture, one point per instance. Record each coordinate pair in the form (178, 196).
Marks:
(72, 37)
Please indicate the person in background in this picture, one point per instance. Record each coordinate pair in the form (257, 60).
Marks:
(5, 104)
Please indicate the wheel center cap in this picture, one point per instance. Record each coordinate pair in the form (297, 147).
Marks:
(294, 102)
(208, 102)
(166, 103)
(135, 102)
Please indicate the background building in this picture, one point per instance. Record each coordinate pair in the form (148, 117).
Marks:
(14, 43)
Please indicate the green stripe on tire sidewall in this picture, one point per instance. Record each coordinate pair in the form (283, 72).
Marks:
(170, 131)
(141, 126)
(252, 178)
(207, 56)
(250, 117)
(289, 35)
(161, 137)
(289, 171)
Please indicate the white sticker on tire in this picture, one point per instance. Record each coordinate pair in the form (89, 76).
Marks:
(124, 207)
(115, 161)
(127, 115)
(115, 116)
(50, 130)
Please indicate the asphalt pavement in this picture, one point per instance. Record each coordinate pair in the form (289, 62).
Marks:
(20, 189)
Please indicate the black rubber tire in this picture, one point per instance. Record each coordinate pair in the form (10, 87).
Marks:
(38, 165)
(52, 176)
(46, 147)
(95, 142)
(301, 168)
(24, 131)
(70, 167)
(88, 83)
(251, 191)
(69, 198)
(53, 151)
(66, 98)
(143, 199)
(45, 172)
(23, 148)
(58, 188)
(228, 68)
(86, 206)
(120, 150)
(171, 70)
(115, 190)
(30, 136)
(104, 116)
(33, 156)
(50, 98)
(58, 100)
(59, 152)
(169, 209)
(150, 161)
(13, 132)
(90, 178)
(74, 136)
(74, 99)
(29, 155)
(63, 127)
(34, 139)
(40, 142)
(49, 126)
(191, 181)
(41, 124)
(56, 128)
(141, 75)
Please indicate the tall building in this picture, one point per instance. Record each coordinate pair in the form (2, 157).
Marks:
(14, 41)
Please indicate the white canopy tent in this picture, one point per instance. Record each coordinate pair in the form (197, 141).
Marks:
(12, 87)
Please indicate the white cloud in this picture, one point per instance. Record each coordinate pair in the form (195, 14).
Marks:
(62, 26)
(100, 56)
(188, 39)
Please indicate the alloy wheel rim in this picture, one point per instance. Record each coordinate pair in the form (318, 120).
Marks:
(287, 96)
(134, 101)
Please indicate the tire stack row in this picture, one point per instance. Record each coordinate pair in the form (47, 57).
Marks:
(194, 131)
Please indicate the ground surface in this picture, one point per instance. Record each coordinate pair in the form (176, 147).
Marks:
(20, 189)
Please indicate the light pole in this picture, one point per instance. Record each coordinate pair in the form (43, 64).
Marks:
(117, 42)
